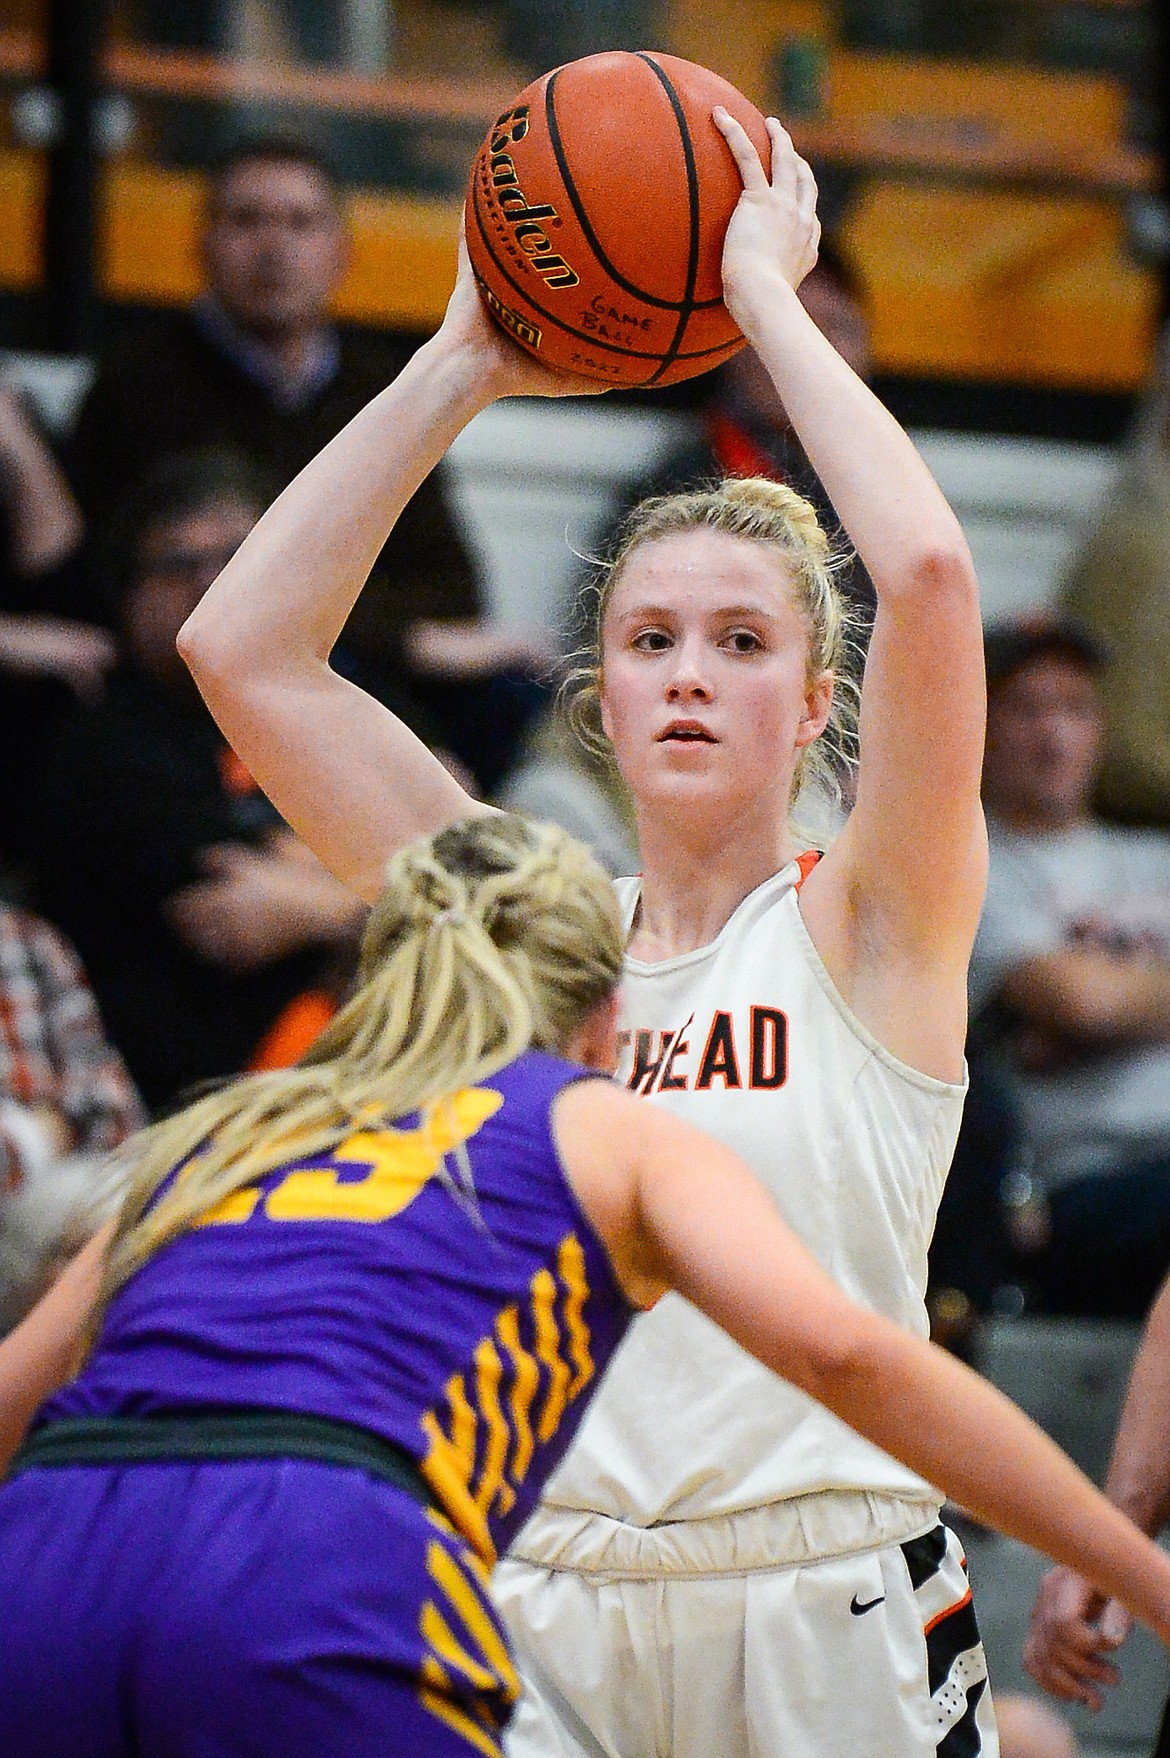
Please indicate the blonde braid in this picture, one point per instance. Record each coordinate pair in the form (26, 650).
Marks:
(494, 935)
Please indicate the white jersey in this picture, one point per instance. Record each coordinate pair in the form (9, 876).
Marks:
(748, 1039)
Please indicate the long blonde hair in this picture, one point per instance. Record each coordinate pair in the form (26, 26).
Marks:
(774, 515)
(494, 935)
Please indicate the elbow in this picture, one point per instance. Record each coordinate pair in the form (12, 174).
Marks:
(943, 570)
(208, 656)
(837, 1369)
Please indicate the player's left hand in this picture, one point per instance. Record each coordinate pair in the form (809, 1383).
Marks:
(774, 229)
(1073, 1628)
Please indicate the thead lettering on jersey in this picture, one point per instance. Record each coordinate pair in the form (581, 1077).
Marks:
(714, 1060)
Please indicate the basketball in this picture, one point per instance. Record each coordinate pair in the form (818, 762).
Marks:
(596, 211)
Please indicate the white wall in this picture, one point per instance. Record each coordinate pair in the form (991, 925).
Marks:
(530, 480)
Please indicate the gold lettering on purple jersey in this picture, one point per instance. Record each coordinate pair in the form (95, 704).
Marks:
(571, 1267)
(401, 1163)
(486, 1415)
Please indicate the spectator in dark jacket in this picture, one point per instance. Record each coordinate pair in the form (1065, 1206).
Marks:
(199, 916)
(257, 364)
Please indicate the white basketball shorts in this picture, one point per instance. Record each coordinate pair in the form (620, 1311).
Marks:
(693, 1640)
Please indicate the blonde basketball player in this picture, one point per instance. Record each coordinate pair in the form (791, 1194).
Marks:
(720, 1566)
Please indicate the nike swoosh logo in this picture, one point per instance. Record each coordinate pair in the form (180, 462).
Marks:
(860, 1607)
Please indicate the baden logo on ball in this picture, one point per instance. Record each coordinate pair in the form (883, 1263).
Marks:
(596, 211)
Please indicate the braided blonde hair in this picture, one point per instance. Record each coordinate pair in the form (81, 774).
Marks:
(494, 935)
(774, 515)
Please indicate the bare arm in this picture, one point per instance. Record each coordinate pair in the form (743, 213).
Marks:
(1094, 997)
(46, 522)
(1074, 1627)
(677, 1209)
(42, 1352)
(897, 900)
(349, 777)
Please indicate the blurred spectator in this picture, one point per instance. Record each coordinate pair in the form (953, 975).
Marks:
(567, 782)
(746, 431)
(65, 1100)
(1071, 978)
(257, 364)
(199, 915)
(1118, 586)
(43, 656)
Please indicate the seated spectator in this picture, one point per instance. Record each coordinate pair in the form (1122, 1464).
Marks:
(65, 1101)
(1118, 587)
(1070, 978)
(257, 364)
(199, 916)
(44, 656)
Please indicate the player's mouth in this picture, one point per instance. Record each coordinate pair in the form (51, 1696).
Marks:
(687, 732)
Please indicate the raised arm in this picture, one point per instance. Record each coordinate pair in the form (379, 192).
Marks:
(679, 1210)
(904, 882)
(349, 777)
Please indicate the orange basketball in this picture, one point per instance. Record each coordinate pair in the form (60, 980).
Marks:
(596, 211)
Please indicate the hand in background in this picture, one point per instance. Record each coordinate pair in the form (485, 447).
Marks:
(1073, 1628)
(256, 906)
(472, 649)
(77, 654)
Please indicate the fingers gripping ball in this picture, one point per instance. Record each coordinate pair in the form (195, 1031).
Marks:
(596, 212)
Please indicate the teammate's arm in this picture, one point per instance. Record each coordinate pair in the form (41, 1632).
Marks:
(679, 1210)
(349, 776)
(1074, 1627)
(44, 1349)
(910, 865)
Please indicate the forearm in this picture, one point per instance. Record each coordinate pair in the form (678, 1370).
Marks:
(883, 493)
(1099, 999)
(45, 1347)
(1139, 1472)
(285, 597)
(956, 1430)
(46, 523)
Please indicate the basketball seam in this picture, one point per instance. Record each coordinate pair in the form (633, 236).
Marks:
(687, 306)
(579, 335)
(591, 238)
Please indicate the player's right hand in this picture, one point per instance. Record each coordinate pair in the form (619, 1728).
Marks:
(1073, 1628)
(506, 367)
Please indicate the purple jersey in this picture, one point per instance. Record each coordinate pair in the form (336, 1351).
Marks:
(365, 1284)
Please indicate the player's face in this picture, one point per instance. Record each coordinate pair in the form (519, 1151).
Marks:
(705, 693)
(274, 249)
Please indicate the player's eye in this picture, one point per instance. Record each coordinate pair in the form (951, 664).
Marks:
(651, 641)
(743, 641)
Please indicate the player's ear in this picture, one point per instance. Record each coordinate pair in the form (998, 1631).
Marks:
(818, 703)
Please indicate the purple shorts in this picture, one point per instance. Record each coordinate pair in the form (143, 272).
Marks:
(255, 1609)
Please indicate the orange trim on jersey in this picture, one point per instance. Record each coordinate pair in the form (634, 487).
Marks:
(294, 1029)
(806, 862)
(234, 773)
(949, 1613)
